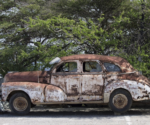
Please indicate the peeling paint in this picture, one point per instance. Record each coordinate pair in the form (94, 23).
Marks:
(53, 93)
(33, 90)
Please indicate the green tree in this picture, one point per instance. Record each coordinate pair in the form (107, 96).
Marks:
(22, 48)
(135, 46)
(107, 17)
(35, 31)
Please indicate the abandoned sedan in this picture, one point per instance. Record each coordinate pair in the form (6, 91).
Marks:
(77, 79)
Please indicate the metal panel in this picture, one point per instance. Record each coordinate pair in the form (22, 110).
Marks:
(34, 90)
(54, 94)
(33, 76)
(92, 87)
(138, 91)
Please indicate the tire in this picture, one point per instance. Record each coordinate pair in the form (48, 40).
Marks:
(20, 104)
(32, 105)
(120, 101)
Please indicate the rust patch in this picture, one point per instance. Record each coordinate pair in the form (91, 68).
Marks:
(54, 94)
(32, 76)
(135, 77)
(75, 89)
(96, 90)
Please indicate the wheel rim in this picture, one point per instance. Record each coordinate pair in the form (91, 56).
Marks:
(120, 101)
(20, 104)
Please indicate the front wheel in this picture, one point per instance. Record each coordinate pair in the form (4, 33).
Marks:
(120, 101)
(20, 104)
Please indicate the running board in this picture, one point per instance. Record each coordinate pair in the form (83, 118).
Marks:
(84, 102)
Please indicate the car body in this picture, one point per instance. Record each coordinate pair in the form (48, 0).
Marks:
(78, 79)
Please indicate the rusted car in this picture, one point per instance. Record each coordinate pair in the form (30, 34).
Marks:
(77, 79)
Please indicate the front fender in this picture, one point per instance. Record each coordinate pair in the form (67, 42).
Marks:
(34, 90)
(139, 91)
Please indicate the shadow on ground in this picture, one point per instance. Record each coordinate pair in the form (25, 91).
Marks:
(77, 114)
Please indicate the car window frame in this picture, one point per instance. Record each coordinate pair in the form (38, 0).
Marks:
(67, 67)
(59, 64)
(92, 61)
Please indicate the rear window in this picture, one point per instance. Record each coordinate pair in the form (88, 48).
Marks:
(110, 67)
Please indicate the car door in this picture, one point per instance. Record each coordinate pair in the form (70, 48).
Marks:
(66, 76)
(92, 82)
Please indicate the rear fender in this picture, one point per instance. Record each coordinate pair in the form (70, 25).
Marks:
(139, 91)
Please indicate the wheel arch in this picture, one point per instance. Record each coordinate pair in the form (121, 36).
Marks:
(121, 89)
(17, 91)
(107, 95)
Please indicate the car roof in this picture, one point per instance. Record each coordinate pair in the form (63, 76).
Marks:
(124, 64)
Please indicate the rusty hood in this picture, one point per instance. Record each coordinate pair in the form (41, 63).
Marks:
(31, 76)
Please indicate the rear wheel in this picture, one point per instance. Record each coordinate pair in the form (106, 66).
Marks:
(120, 101)
(20, 104)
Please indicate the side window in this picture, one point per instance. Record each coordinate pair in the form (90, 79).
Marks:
(112, 67)
(91, 66)
(67, 67)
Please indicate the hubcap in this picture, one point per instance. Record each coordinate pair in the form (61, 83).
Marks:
(20, 104)
(120, 101)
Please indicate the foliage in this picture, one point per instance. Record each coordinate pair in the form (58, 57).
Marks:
(22, 47)
(135, 41)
